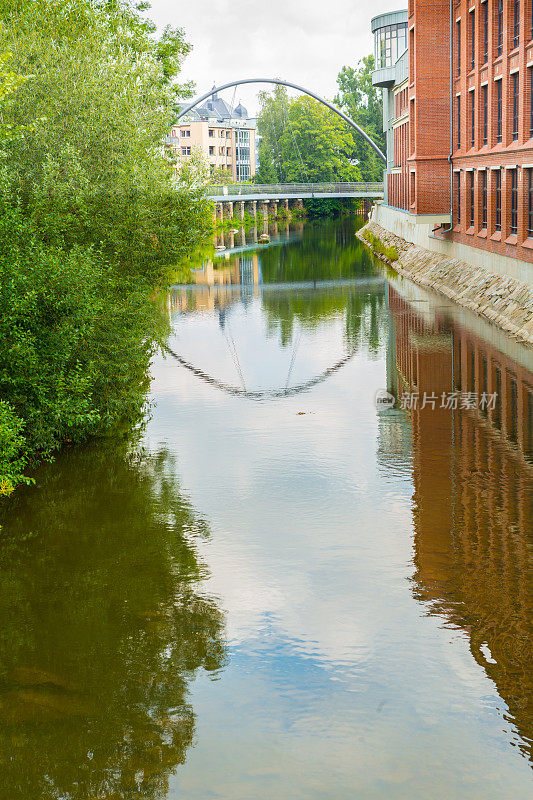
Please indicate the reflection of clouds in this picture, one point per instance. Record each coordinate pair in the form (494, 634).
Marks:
(339, 685)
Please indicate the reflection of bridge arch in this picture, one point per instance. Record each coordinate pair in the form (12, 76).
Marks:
(267, 394)
(298, 88)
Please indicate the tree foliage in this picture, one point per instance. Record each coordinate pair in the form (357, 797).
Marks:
(302, 141)
(362, 102)
(94, 212)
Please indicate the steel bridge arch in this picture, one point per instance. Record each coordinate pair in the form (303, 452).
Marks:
(298, 88)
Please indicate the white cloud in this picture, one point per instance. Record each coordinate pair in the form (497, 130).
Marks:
(304, 41)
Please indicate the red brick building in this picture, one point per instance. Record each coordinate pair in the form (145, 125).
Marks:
(458, 110)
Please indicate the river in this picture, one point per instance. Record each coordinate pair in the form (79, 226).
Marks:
(281, 588)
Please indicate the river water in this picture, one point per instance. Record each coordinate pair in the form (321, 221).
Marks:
(283, 589)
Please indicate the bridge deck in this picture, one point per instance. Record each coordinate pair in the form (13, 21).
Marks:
(300, 191)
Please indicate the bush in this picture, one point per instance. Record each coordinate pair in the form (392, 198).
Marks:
(94, 216)
(390, 253)
(12, 447)
(75, 341)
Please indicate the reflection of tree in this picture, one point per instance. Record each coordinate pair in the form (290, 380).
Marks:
(326, 252)
(103, 626)
(364, 312)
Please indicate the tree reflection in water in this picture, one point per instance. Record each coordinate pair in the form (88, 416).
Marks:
(103, 627)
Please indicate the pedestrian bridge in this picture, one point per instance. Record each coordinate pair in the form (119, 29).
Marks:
(246, 192)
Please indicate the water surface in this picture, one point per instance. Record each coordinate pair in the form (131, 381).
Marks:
(282, 591)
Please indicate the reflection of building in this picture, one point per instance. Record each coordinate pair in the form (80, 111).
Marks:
(473, 501)
(235, 270)
(225, 136)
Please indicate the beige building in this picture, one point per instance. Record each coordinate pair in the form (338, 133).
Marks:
(224, 135)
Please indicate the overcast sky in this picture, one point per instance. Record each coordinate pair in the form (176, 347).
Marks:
(304, 41)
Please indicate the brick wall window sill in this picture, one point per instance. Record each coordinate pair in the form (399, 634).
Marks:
(496, 236)
(457, 228)
(470, 231)
(512, 239)
(528, 243)
(482, 233)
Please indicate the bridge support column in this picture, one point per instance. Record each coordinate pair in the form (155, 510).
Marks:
(367, 206)
(298, 205)
(218, 212)
(228, 209)
(240, 209)
(251, 207)
(274, 207)
(286, 206)
(263, 208)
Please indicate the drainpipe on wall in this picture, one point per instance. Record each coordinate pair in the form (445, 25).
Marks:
(450, 226)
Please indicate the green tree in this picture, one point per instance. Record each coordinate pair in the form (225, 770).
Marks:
(316, 145)
(94, 215)
(362, 102)
(271, 123)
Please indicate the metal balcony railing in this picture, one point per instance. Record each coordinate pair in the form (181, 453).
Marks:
(295, 189)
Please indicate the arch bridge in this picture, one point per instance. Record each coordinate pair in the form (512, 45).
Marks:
(298, 88)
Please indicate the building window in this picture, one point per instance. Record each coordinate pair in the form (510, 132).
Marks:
(498, 176)
(390, 41)
(485, 114)
(484, 199)
(458, 195)
(472, 39)
(211, 150)
(186, 133)
(472, 118)
(459, 122)
(499, 47)
(514, 201)
(471, 181)
(211, 132)
(485, 31)
(499, 110)
(516, 23)
(185, 151)
(530, 205)
(515, 105)
(458, 47)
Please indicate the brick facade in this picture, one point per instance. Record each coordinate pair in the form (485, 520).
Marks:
(491, 120)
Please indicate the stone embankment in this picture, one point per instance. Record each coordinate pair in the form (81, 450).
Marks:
(503, 301)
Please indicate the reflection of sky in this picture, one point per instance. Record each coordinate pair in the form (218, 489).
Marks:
(338, 685)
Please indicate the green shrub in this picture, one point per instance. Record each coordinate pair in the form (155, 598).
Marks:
(75, 341)
(12, 450)
(390, 253)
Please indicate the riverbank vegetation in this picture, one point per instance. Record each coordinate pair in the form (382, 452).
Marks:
(94, 215)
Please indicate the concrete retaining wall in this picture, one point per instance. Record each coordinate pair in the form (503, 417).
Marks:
(501, 299)
(402, 224)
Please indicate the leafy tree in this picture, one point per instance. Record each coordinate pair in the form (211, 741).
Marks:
(316, 145)
(302, 141)
(362, 102)
(271, 123)
(94, 214)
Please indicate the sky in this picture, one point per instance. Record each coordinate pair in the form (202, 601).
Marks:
(304, 41)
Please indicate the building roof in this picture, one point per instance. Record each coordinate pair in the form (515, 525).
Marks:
(216, 108)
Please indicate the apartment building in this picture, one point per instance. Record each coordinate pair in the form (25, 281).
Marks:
(225, 136)
(458, 112)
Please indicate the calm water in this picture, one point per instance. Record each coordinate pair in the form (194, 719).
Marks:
(280, 591)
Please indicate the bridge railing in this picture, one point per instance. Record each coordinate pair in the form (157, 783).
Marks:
(295, 189)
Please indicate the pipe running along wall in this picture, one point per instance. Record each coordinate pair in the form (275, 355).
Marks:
(298, 88)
